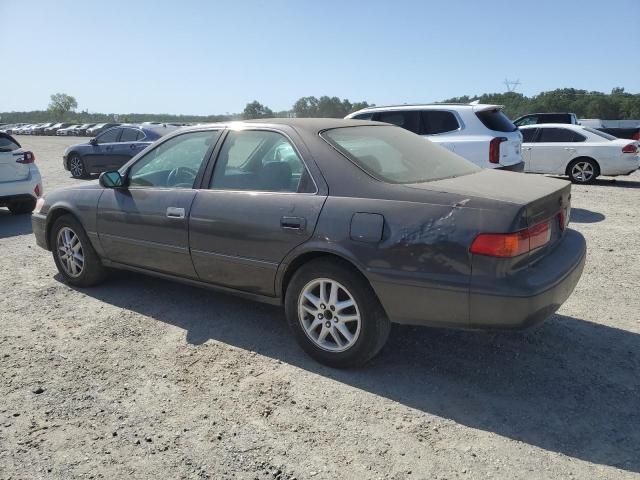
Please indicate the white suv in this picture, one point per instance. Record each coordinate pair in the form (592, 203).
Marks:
(480, 133)
(20, 182)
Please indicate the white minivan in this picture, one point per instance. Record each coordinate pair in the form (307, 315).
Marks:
(482, 134)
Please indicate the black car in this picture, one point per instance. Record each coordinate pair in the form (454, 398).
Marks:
(536, 118)
(109, 150)
(349, 224)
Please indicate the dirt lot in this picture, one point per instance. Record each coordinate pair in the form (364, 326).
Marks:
(141, 378)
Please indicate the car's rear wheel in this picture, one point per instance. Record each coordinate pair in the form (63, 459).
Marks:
(74, 255)
(583, 170)
(334, 314)
(22, 207)
(76, 166)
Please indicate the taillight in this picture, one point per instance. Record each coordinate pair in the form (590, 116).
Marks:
(631, 148)
(494, 149)
(512, 244)
(27, 157)
(636, 136)
(37, 190)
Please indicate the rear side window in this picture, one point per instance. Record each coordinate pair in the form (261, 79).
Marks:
(131, 135)
(409, 120)
(364, 116)
(7, 143)
(557, 135)
(394, 155)
(529, 135)
(496, 120)
(438, 121)
(600, 133)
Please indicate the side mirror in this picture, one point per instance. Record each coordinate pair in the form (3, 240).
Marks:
(111, 179)
(93, 141)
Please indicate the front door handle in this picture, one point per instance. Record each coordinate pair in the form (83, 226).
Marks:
(293, 223)
(175, 212)
(526, 148)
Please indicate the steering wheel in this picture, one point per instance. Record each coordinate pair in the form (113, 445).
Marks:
(181, 175)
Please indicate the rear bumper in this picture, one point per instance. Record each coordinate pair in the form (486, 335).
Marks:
(518, 167)
(39, 226)
(530, 296)
(515, 301)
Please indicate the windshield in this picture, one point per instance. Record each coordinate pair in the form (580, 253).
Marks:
(395, 155)
(600, 134)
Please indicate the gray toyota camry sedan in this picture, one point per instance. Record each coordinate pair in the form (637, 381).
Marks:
(350, 225)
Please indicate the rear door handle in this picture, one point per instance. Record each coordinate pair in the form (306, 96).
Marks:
(293, 223)
(570, 149)
(175, 212)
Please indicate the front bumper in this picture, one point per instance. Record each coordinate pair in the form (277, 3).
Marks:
(39, 226)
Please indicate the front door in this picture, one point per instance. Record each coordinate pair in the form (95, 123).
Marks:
(101, 154)
(553, 149)
(145, 224)
(261, 203)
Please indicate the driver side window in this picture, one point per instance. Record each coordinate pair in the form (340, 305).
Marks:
(174, 163)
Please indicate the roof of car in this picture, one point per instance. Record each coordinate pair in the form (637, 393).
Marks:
(310, 125)
(423, 105)
(570, 126)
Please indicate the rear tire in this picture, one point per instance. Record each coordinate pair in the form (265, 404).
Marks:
(76, 166)
(75, 258)
(583, 171)
(22, 207)
(340, 328)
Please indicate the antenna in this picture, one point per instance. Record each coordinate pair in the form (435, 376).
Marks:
(511, 85)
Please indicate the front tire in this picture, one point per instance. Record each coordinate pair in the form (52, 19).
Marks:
(76, 166)
(22, 207)
(334, 314)
(74, 255)
(583, 171)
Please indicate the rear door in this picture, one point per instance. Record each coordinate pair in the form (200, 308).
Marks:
(260, 203)
(10, 156)
(554, 148)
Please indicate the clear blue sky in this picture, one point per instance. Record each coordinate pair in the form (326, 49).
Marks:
(204, 57)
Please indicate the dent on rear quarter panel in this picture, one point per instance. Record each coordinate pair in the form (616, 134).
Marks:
(420, 268)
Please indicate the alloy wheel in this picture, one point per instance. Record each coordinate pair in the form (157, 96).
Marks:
(582, 171)
(70, 252)
(76, 167)
(329, 315)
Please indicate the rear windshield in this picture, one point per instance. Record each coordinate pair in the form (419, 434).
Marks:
(600, 134)
(7, 143)
(496, 120)
(395, 155)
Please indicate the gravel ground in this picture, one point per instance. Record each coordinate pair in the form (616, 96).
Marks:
(142, 378)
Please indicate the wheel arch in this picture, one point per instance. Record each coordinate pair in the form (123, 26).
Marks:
(582, 157)
(294, 264)
(54, 214)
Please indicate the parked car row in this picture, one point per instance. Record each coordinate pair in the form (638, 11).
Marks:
(66, 129)
(485, 136)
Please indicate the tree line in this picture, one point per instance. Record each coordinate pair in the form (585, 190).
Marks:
(617, 105)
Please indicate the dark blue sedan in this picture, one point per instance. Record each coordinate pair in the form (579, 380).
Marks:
(109, 150)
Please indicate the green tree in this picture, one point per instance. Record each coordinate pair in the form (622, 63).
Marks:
(61, 104)
(256, 110)
(326, 107)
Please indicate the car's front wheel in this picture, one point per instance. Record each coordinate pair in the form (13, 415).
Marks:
(73, 253)
(334, 314)
(76, 166)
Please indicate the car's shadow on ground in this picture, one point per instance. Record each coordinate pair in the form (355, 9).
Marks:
(571, 386)
(13, 225)
(582, 215)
